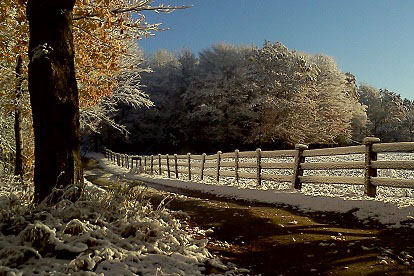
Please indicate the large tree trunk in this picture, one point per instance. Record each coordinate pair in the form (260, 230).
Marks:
(18, 169)
(53, 95)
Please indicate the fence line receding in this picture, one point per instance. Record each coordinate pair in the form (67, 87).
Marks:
(256, 165)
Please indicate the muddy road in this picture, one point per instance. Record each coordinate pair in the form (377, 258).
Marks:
(277, 240)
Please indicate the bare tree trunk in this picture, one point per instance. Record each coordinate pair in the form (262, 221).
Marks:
(18, 169)
(53, 95)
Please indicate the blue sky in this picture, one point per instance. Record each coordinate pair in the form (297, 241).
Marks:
(373, 39)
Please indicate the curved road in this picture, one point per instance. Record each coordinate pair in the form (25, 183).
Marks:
(276, 240)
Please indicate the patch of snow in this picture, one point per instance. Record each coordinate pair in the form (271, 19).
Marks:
(41, 50)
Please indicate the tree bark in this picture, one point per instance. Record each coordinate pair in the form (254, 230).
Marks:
(18, 169)
(53, 95)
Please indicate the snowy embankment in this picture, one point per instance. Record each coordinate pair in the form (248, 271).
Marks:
(393, 207)
(96, 232)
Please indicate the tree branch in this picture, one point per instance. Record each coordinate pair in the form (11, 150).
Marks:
(136, 8)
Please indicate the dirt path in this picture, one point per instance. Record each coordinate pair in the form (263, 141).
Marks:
(276, 240)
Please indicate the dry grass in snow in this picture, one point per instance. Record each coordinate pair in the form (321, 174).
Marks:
(102, 232)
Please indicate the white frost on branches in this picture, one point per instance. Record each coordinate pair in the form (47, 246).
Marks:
(128, 91)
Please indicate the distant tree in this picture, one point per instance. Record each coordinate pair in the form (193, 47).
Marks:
(282, 83)
(155, 127)
(407, 124)
(18, 119)
(216, 98)
(301, 98)
(14, 105)
(385, 111)
(338, 107)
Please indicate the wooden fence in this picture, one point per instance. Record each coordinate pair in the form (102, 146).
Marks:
(229, 164)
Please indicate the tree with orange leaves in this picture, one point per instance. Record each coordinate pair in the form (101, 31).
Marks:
(103, 31)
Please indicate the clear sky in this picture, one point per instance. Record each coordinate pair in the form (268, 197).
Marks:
(372, 39)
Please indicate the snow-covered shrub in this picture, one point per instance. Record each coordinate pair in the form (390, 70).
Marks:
(94, 231)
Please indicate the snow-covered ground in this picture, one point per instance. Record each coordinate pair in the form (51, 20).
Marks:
(393, 207)
(104, 232)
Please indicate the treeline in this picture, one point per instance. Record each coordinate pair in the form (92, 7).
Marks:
(390, 117)
(245, 97)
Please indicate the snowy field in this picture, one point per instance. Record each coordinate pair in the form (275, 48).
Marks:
(393, 207)
(104, 232)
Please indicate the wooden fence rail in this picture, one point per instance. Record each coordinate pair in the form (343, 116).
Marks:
(231, 164)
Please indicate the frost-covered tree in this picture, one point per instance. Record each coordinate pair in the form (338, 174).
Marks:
(103, 32)
(385, 111)
(407, 124)
(153, 127)
(301, 98)
(128, 91)
(241, 96)
(339, 112)
(283, 85)
(216, 97)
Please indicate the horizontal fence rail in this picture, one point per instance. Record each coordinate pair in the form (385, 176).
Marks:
(258, 163)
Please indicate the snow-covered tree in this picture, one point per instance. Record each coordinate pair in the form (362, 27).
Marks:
(407, 124)
(301, 98)
(338, 106)
(215, 98)
(385, 111)
(283, 85)
(103, 31)
(128, 91)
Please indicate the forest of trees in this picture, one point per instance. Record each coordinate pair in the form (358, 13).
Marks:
(229, 96)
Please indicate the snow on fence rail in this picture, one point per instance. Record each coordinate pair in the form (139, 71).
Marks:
(240, 165)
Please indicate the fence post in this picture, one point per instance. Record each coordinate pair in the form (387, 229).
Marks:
(297, 169)
(189, 165)
(203, 161)
(176, 165)
(236, 165)
(168, 166)
(152, 165)
(140, 164)
(370, 190)
(118, 159)
(122, 160)
(259, 166)
(218, 166)
(159, 164)
(132, 162)
(145, 164)
(127, 161)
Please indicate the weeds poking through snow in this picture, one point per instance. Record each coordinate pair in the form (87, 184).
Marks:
(96, 231)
